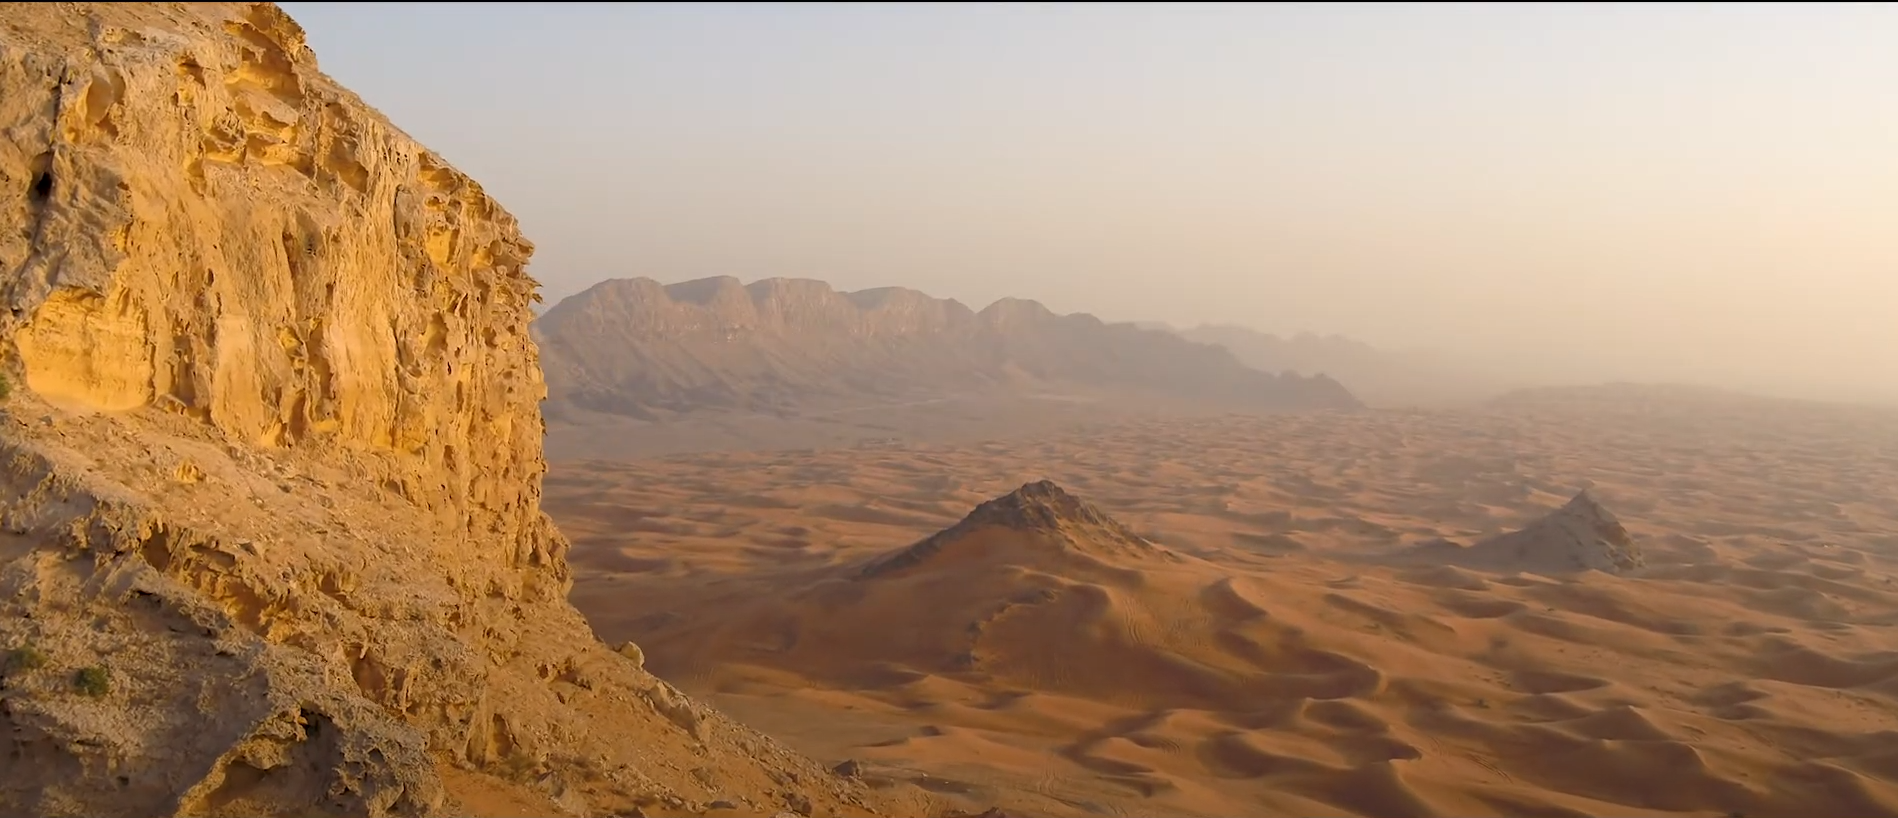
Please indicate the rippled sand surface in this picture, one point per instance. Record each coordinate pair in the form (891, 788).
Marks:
(1285, 650)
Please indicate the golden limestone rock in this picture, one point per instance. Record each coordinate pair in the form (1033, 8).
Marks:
(270, 469)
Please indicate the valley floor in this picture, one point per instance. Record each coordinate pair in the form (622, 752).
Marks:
(1298, 662)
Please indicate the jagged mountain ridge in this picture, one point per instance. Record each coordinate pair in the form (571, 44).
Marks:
(635, 347)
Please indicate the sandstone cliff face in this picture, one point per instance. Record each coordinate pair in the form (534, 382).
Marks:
(270, 538)
(638, 348)
(205, 224)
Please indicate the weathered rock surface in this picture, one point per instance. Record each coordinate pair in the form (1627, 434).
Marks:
(1037, 515)
(1582, 535)
(637, 348)
(270, 535)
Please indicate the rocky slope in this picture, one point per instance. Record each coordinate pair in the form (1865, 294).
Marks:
(1582, 535)
(635, 347)
(1039, 515)
(270, 534)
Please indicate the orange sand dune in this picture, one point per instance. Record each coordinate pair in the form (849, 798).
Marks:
(1242, 615)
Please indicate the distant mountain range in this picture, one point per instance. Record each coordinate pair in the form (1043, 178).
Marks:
(641, 349)
(1379, 377)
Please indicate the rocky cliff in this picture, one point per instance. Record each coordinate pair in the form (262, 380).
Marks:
(635, 347)
(270, 535)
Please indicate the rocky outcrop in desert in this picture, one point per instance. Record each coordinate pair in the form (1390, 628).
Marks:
(1582, 535)
(637, 348)
(1038, 522)
(1579, 536)
(272, 535)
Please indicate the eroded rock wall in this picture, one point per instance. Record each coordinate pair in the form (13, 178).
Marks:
(270, 536)
(204, 223)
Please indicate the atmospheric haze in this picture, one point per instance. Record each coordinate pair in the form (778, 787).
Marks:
(962, 411)
(1546, 193)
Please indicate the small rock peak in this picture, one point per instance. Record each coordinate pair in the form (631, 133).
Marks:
(1581, 534)
(1043, 511)
(1585, 503)
(1041, 504)
(1583, 507)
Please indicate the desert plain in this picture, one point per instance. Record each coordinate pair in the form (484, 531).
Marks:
(1282, 614)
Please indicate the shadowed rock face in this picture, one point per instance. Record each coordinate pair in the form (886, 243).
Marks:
(279, 499)
(1581, 535)
(1042, 505)
(637, 348)
(1038, 512)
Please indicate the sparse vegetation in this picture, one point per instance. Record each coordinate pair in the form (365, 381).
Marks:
(93, 681)
(24, 658)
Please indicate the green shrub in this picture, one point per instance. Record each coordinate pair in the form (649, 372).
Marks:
(25, 657)
(93, 681)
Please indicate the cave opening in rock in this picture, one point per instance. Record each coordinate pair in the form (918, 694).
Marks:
(43, 185)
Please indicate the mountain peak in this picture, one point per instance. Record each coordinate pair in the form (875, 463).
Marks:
(1014, 312)
(1041, 504)
(1037, 515)
(1581, 535)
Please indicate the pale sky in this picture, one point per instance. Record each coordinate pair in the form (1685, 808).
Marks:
(1691, 192)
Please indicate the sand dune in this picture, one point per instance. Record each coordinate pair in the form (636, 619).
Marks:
(1228, 616)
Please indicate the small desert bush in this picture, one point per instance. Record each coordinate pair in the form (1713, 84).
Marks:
(25, 657)
(93, 681)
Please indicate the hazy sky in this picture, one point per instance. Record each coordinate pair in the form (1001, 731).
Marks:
(1644, 191)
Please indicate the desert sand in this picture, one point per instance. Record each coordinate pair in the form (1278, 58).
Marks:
(275, 541)
(1318, 614)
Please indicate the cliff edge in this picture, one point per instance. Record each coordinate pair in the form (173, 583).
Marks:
(270, 534)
